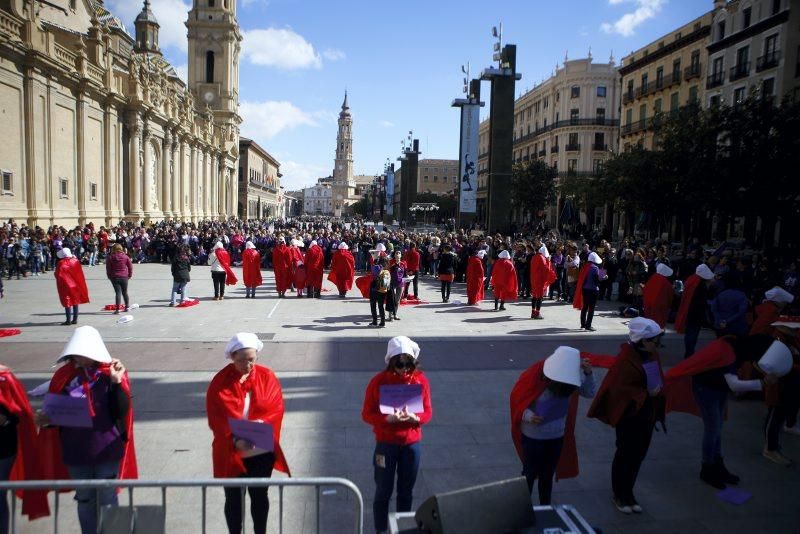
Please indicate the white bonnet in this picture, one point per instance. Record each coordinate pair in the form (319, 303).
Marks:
(401, 345)
(243, 340)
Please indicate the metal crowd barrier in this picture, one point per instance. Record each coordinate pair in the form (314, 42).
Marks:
(242, 483)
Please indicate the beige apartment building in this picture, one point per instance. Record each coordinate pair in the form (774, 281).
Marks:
(662, 77)
(437, 176)
(259, 182)
(97, 125)
(569, 121)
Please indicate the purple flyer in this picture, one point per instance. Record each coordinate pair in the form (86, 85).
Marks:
(653, 373)
(552, 409)
(399, 396)
(65, 410)
(735, 496)
(259, 434)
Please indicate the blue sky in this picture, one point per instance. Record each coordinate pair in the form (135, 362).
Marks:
(400, 62)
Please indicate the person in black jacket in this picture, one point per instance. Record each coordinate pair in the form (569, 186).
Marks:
(447, 269)
(181, 266)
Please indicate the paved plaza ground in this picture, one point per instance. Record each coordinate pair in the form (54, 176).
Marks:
(324, 354)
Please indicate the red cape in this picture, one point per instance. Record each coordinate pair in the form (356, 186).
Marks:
(282, 266)
(766, 313)
(577, 299)
(678, 380)
(692, 283)
(343, 268)
(299, 275)
(315, 263)
(363, 283)
(50, 443)
(541, 276)
(71, 283)
(225, 260)
(657, 299)
(26, 465)
(225, 398)
(475, 275)
(504, 280)
(251, 268)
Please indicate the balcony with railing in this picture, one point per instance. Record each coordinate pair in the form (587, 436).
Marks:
(627, 96)
(768, 60)
(573, 147)
(600, 147)
(740, 70)
(715, 80)
(542, 153)
(692, 71)
(554, 149)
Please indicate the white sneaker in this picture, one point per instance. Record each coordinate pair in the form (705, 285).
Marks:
(776, 457)
(792, 430)
(624, 508)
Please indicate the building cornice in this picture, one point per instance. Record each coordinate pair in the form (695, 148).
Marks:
(755, 29)
(666, 50)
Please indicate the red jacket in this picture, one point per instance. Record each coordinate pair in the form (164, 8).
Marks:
(541, 276)
(411, 257)
(71, 283)
(119, 265)
(251, 268)
(657, 299)
(766, 313)
(395, 433)
(504, 280)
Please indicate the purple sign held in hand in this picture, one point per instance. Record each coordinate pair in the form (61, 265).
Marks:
(259, 434)
(552, 409)
(652, 371)
(397, 397)
(734, 495)
(66, 410)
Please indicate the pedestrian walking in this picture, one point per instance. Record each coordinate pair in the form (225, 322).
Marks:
(181, 269)
(71, 285)
(119, 270)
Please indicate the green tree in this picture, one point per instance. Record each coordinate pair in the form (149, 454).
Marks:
(363, 207)
(533, 186)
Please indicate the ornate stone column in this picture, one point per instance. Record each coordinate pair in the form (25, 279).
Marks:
(109, 183)
(30, 150)
(147, 171)
(80, 132)
(206, 181)
(135, 127)
(166, 174)
(175, 177)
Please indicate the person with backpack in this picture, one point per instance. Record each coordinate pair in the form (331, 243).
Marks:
(381, 282)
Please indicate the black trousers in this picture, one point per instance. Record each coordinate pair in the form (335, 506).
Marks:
(633, 441)
(376, 301)
(415, 282)
(541, 459)
(587, 312)
(219, 283)
(446, 289)
(536, 304)
(255, 467)
(120, 286)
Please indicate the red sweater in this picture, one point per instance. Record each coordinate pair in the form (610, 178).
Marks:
(411, 257)
(395, 433)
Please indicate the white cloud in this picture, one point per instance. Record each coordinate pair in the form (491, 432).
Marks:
(333, 54)
(183, 72)
(170, 14)
(387, 124)
(298, 175)
(264, 120)
(282, 48)
(627, 24)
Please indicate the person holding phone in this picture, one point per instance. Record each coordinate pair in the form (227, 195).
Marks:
(397, 434)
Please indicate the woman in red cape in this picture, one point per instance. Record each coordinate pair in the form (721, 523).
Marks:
(577, 299)
(541, 276)
(689, 288)
(504, 281)
(295, 259)
(343, 268)
(766, 313)
(693, 310)
(224, 259)
(23, 462)
(657, 295)
(107, 449)
(281, 263)
(245, 390)
(547, 448)
(315, 264)
(251, 270)
(475, 277)
(71, 284)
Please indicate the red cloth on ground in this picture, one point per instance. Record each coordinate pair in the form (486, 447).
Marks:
(251, 268)
(26, 465)
(71, 283)
(225, 261)
(691, 285)
(396, 433)
(281, 263)
(363, 283)
(577, 299)
(315, 264)
(50, 444)
(8, 332)
(504, 280)
(343, 268)
(188, 303)
(225, 398)
(475, 275)
(412, 257)
(657, 299)
(541, 276)
(766, 313)
(112, 307)
(678, 379)
(530, 385)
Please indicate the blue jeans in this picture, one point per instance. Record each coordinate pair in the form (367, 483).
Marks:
(250, 291)
(90, 499)
(178, 287)
(5, 471)
(712, 405)
(93, 258)
(388, 458)
(690, 340)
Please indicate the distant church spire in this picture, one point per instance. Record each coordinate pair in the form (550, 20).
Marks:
(345, 105)
(146, 31)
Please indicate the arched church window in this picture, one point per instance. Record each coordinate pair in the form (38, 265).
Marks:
(209, 67)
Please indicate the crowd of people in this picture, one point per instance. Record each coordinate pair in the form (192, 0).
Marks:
(748, 302)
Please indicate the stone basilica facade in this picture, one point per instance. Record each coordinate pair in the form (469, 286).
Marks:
(97, 126)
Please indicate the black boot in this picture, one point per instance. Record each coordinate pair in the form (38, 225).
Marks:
(711, 476)
(725, 475)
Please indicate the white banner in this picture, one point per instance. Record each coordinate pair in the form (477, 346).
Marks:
(470, 119)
